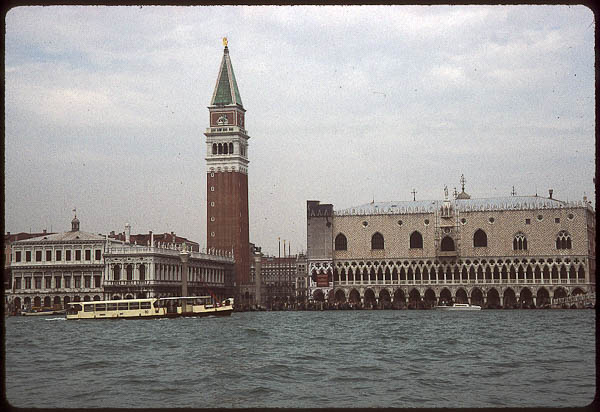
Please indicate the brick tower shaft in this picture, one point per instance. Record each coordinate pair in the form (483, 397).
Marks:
(227, 171)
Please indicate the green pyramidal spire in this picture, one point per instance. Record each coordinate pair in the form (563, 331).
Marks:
(226, 90)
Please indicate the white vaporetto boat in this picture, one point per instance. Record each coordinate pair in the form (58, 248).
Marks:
(459, 306)
(149, 308)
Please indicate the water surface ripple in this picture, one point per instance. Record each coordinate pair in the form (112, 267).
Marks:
(498, 358)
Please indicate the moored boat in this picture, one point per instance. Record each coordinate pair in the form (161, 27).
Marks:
(149, 308)
(459, 306)
(44, 313)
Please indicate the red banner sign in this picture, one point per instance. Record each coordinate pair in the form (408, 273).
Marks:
(322, 281)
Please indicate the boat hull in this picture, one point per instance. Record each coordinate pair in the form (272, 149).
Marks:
(146, 309)
(44, 313)
(461, 308)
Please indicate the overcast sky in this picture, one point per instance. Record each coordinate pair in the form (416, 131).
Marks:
(106, 110)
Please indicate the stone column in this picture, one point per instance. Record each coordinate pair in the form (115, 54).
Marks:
(184, 255)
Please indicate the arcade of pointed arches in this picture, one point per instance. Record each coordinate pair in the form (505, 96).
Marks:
(429, 296)
(532, 279)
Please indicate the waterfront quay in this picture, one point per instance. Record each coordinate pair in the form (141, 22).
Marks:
(576, 301)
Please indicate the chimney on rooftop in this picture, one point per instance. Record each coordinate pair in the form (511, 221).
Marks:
(127, 232)
(44, 231)
(550, 192)
(112, 232)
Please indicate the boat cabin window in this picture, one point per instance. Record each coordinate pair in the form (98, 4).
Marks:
(134, 305)
(123, 306)
(73, 309)
(100, 307)
(145, 305)
(88, 308)
(111, 306)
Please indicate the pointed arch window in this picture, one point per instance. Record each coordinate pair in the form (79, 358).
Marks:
(447, 244)
(341, 243)
(563, 240)
(230, 148)
(520, 242)
(416, 240)
(225, 148)
(479, 238)
(377, 241)
(214, 148)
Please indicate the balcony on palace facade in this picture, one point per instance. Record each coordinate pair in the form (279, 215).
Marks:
(447, 253)
(58, 290)
(462, 282)
(447, 222)
(108, 284)
(219, 256)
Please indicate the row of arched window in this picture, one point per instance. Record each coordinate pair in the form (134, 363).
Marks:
(222, 148)
(439, 272)
(563, 241)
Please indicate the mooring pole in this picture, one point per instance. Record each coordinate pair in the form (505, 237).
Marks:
(184, 255)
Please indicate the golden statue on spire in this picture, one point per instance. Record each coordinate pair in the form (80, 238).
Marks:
(225, 41)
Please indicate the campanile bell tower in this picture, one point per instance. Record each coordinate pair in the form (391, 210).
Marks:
(227, 171)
